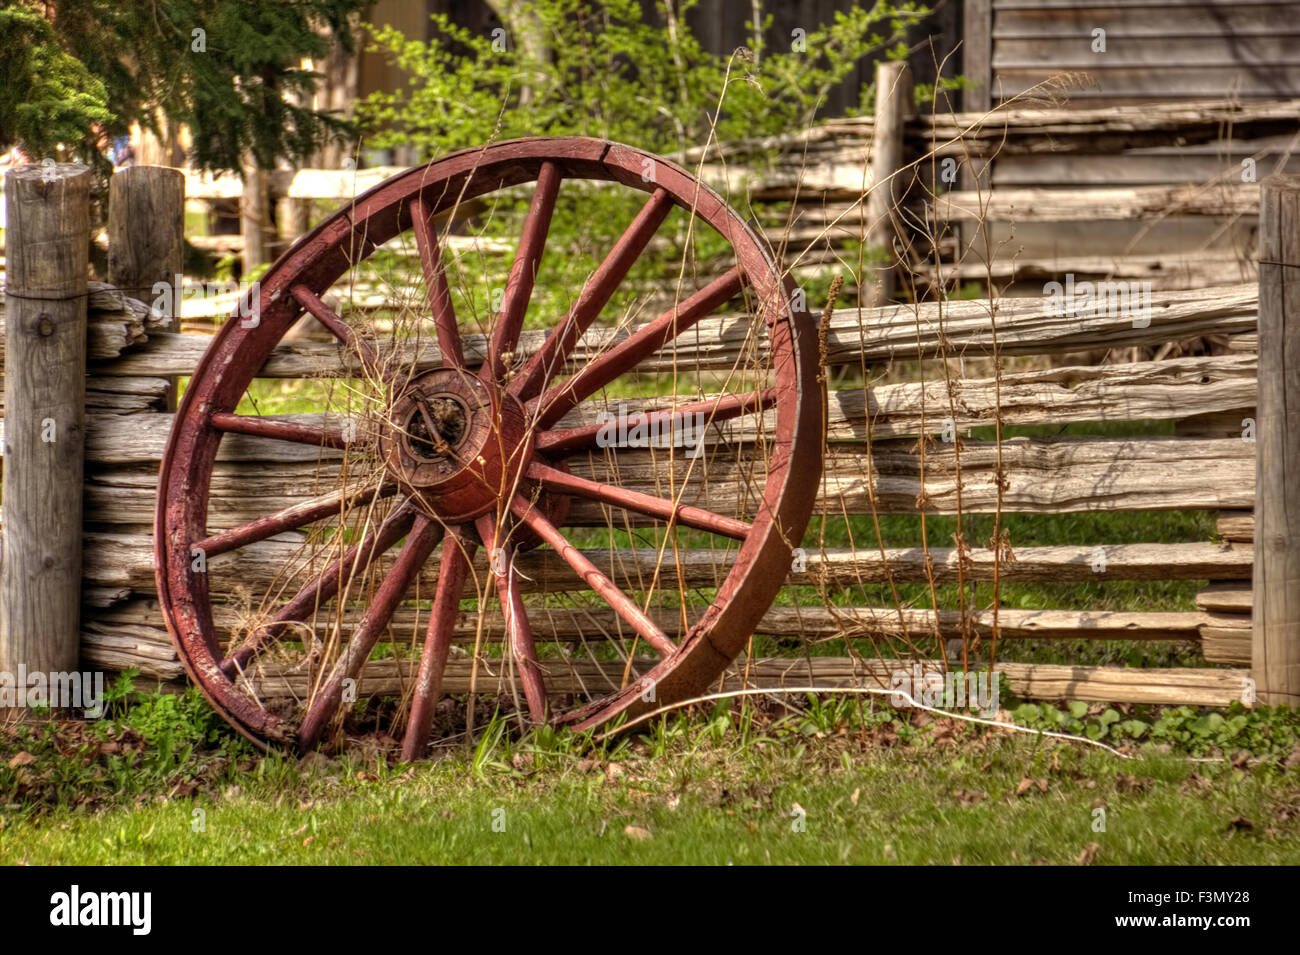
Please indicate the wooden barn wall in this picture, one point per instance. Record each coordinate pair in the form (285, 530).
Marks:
(1156, 50)
(718, 25)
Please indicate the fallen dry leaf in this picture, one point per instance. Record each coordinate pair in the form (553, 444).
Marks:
(1088, 854)
(22, 759)
(637, 833)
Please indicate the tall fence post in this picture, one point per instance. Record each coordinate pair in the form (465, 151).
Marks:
(47, 246)
(888, 186)
(146, 238)
(977, 55)
(1275, 646)
(256, 218)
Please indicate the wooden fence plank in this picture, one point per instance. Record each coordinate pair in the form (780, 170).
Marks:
(1089, 204)
(1236, 526)
(1043, 476)
(1174, 388)
(1198, 687)
(1225, 597)
(124, 561)
(133, 632)
(1203, 687)
(114, 322)
(574, 625)
(893, 332)
(1181, 270)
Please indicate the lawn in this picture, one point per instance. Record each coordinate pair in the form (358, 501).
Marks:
(829, 782)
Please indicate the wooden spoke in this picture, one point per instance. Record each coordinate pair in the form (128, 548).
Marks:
(722, 408)
(502, 568)
(523, 273)
(621, 603)
(457, 553)
(420, 542)
(435, 284)
(263, 427)
(297, 515)
(550, 358)
(684, 514)
(339, 328)
(626, 355)
(324, 587)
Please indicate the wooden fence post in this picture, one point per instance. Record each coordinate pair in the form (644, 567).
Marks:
(977, 55)
(47, 246)
(294, 221)
(1275, 648)
(256, 218)
(146, 237)
(893, 105)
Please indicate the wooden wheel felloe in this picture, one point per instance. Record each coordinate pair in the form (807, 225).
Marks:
(453, 467)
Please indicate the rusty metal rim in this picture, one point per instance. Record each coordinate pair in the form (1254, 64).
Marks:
(317, 260)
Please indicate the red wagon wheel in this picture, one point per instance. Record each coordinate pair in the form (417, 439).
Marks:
(483, 446)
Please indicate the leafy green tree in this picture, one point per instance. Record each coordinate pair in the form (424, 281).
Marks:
(602, 69)
(77, 71)
(49, 96)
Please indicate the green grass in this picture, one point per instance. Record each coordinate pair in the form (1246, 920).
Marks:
(877, 809)
(835, 781)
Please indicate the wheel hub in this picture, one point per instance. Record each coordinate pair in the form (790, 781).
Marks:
(457, 446)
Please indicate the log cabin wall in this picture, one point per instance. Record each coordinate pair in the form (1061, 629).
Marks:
(1158, 52)
(1154, 51)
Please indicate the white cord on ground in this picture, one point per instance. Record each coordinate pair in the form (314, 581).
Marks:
(874, 691)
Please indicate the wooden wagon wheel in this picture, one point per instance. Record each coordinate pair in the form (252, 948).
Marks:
(470, 450)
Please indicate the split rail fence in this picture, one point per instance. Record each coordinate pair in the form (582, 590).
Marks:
(133, 356)
(132, 359)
